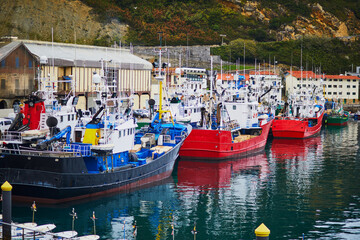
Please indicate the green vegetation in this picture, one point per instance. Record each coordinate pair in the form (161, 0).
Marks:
(332, 55)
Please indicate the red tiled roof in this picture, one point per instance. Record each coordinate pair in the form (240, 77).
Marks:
(230, 77)
(225, 76)
(308, 74)
(340, 77)
(262, 73)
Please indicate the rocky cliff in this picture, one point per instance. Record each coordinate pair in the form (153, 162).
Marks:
(70, 19)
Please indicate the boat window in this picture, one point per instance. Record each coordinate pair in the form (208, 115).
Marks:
(119, 133)
(61, 119)
(185, 111)
(7, 122)
(234, 107)
(124, 133)
(68, 117)
(72, 118)
(128, 131)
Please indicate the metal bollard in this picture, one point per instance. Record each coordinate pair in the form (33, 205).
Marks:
(262, 232)
(6, 205)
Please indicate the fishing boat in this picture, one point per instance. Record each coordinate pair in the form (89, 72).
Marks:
(108, 159)
(302, 115)
(234, 129)
(335, 114)
(337, 119)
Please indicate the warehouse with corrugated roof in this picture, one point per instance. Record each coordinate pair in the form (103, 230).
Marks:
(20, 66)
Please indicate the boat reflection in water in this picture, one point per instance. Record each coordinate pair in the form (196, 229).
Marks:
(296, 149)
(204, 175)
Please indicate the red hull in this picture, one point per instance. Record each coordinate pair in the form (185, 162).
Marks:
(295, 128)
(216, 144)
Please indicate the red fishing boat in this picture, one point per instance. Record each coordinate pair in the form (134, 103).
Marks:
(223, 144)
(295, 127)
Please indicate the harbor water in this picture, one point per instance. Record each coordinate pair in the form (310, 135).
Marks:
(297, 188)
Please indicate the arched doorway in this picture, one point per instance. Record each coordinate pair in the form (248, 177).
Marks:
(3, 104)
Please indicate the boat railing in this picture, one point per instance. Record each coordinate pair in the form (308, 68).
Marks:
(79, 149)
(11, 136)
(34, 152)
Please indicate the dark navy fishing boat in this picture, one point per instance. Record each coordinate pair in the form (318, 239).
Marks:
(109, 157)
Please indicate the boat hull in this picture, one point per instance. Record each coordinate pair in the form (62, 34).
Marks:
(295, 127)
(337, 121)
(45, 185)
(206, 144)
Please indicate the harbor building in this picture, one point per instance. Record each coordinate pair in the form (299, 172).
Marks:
(340, 88)
(20, 66)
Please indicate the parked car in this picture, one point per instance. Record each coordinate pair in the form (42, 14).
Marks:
(4, 124)
(141, 113)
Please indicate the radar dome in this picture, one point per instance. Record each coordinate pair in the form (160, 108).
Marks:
(43, 60)
(96, 78)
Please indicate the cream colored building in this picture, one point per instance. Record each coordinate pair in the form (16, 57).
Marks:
(335, 87)
(128, 73)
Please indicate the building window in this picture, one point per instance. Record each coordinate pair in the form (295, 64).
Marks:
(30, 64)
(340, 93)
(354, 93)
(354, 86)
(348, 80)
(329, 93)
(3, 84)
(348, 93)
(340, 86)
(17, 84)
(348, 86)
(353, 100)
(335, 80)
(234, 107)
(17, 62)
(334, 93)
(340, 80)
(304, 85)
(354, 80)
(329, 86)
(330, 80)
(3, 63)
(335, 86)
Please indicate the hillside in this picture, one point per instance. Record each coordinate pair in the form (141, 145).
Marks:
(274, 27)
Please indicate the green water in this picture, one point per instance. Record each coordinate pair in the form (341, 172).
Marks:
(308, 187)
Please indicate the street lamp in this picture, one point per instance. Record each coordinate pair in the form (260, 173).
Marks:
(222, 38)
